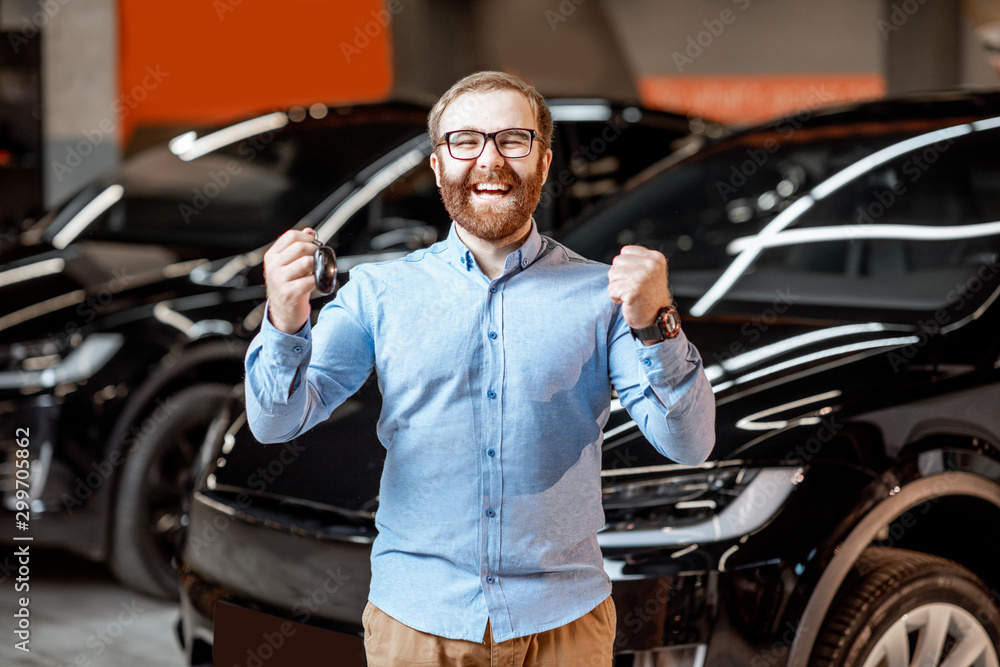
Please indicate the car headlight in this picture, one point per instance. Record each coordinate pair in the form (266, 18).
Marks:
(675, 500)
(48, 363)
(36, 355)
(713, 504)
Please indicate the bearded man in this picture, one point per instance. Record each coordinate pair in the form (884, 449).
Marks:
(493, 409)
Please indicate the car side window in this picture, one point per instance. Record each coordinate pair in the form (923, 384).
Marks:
(406, 215)
(704, 213)
(923, 197)
(682, 214)
(593, 159)
(242, 195)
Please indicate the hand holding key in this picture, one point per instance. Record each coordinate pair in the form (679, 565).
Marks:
(293, 267)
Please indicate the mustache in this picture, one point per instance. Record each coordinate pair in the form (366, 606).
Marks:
(504, 176)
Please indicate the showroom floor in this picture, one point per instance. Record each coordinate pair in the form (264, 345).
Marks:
(81, 617)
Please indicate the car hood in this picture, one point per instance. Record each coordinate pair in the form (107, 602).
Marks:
(767, 379)
(47, 288)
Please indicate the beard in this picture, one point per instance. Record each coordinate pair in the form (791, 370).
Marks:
(492, 220)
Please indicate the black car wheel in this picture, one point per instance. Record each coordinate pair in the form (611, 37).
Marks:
(149, 514)
(909, 608)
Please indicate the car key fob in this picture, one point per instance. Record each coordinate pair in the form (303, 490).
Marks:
(324, 268)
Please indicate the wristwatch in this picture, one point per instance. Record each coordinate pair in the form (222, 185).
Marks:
(667, 325)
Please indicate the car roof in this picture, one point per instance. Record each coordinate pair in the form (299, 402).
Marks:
(898, 108)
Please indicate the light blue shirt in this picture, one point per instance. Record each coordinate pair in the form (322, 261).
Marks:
(495, 393)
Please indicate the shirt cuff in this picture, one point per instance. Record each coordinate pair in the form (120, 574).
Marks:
(287, 350)
(668, 362)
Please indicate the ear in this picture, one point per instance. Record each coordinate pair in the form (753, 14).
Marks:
(548, 162)
(436, 167)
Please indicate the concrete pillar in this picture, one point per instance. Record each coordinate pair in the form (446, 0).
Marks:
(922, 44)
(18, 15)
(79, 87)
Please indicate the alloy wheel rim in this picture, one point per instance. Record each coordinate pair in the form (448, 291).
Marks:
(166, 483)
(937, 634)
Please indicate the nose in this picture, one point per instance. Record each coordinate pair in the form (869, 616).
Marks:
(490, 158)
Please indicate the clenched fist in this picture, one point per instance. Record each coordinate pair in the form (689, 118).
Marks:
(289, 279)
(638, 280)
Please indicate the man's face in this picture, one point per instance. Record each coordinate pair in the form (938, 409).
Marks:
(491, 197)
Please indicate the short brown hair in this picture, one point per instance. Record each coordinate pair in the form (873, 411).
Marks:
(484, 82)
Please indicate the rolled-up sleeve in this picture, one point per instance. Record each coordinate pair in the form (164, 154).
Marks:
(294, 381)
(665, 390)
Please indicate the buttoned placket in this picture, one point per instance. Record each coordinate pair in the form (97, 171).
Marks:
(491, 384)
(493, 464)
(492, 447)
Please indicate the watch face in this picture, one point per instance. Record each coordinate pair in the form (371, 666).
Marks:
(670, 321)
(667, 325)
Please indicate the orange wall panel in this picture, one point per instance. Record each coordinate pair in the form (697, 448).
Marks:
(748, 99)
(194, 61)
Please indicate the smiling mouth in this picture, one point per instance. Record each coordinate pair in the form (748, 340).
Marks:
(491, 190)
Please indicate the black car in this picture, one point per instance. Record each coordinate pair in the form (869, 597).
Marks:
(127, 311)
(838, 271)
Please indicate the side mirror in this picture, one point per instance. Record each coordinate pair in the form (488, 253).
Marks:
(324, 268)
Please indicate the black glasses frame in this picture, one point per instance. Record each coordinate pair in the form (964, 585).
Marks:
(491, 135)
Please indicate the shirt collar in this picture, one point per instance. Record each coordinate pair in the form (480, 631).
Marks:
(521, 258)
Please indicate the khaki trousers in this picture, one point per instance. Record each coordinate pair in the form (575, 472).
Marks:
(585, 642)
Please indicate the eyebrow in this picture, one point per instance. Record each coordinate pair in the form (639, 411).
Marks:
(476, 129)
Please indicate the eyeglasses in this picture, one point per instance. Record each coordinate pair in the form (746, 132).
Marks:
(469, 144)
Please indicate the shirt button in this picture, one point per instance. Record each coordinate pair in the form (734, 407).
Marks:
(493, 289)
(646, 362)
(491, 394)
(298, 348)
(490, 452)
(490, 512)
(493, 335)
(524, 264)
(489, 579)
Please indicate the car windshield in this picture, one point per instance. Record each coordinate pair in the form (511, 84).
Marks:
(705, 212)
(243, 194)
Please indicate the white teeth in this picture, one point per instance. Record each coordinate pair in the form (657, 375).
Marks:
(492, 186)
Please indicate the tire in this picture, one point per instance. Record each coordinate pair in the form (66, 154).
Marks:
(149, 517)
(910, 608)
